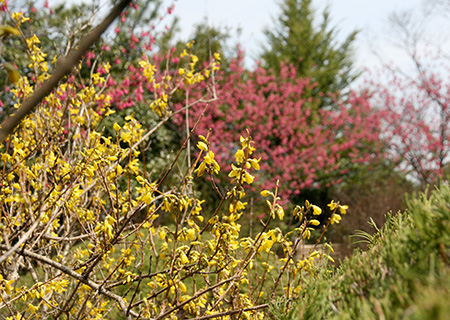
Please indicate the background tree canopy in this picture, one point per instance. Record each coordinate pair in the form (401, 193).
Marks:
(309, 45)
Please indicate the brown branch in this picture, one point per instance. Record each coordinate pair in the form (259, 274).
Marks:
(75, 275)
(182, 148)
(196, 295)
(20, 242)
(230, 312)
(63, 68)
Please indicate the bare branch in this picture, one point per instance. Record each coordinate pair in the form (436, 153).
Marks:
(63, 68)
(75, 275)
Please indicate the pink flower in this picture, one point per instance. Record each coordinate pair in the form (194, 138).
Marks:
(134, 38)
(90, 55)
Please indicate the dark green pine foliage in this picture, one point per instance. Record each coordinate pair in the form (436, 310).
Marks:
(311, 46)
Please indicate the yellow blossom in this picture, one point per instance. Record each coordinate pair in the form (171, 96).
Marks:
(316, 210)
(255, 163)
(183, 258)
(280, 212)
(116, 126)
(248, 177)
(335, 218)
(202, 146)
(201, 169)
(266, 193)
(332, 205)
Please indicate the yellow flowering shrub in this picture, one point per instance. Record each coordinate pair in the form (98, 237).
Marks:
(80, 236)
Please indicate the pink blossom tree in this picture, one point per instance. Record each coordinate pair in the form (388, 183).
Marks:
(416, 127)
(301, 145)
(415, 102)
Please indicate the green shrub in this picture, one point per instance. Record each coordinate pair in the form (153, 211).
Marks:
(403, 274)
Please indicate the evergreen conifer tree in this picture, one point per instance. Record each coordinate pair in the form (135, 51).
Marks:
(310, 46)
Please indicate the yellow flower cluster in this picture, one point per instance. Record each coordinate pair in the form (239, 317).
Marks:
(37, 56)
(64, 176)
(239, 173)
(209, 164)
(334, 206)
(19, 17)
(95, 216)
(165, 87)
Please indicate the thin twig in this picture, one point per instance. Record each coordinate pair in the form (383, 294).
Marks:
(63, 68)
(75, 275)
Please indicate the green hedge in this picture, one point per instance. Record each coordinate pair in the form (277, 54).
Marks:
(404, 273)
